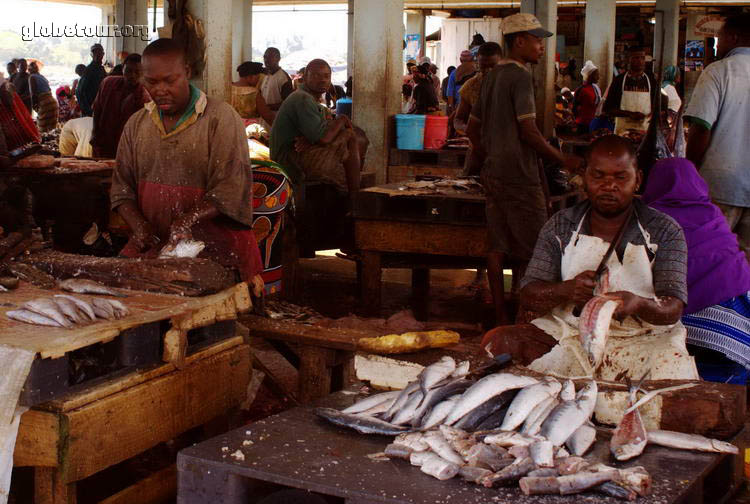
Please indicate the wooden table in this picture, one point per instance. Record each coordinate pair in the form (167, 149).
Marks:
(407, 164)
(295, 449)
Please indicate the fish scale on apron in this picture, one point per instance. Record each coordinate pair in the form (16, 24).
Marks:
(634, 101)
(633, 346)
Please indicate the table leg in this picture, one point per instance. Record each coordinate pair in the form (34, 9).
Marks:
(420, 289)
(371, 282)
(314, 373)
(50, 488)
(343, 372)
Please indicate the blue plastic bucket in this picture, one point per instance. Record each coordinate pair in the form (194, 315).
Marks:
(344, 107)
(410, 131)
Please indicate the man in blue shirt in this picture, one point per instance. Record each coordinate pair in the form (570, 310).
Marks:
(465, 71)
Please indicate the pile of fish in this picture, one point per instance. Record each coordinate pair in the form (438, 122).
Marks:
(507, 429)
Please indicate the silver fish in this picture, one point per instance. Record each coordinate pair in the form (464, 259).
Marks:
(569, 415)
(84, 286)
(82, 305)
(629, 437)
(439, 468)
(103, 309)
(581, 440)
(533, 423)
(362, 424)
(695, 442)
(462, 369)
(542, 453)
(49, 309)
(401, 400)
(30, 317)
(407, 412)
(505, 439)
(527, 399)
(437, 395)
(439, 413)
(568, 392)
(371, 401)
(442, 447)
(183, 248)
(70, 310)
(485, 389)
(119, 308)
(435, 373)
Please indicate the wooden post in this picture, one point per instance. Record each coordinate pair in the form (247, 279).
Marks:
(314, 373)
(51, 488)
(371, 282)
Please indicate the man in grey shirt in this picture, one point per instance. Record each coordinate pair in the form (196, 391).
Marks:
(719, 115)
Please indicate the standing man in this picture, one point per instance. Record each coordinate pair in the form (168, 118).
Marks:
(465, 71)
(631, 94)
(277, 85)
(503, 130)
(719, 115)
(119, 98)
(92, 77)
(20, 81)
(183, 169)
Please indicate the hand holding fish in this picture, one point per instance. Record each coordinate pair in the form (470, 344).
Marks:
(630, 304)
(582, 288)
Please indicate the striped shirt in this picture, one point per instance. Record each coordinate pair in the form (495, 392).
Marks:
(668, 264)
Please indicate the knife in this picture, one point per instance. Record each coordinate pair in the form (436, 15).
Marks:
(613, 246)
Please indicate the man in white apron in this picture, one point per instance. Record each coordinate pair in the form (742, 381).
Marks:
(277, 85)
(630, 96)
(647, 273)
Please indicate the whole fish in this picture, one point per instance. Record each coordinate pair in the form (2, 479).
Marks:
(119, 308)
(362, 424)
(484, 390)
(581, 440)
(509, 475)
(527, 399)
(30, 317)
(569, 415)
(493, 421)
(695, 442)
(440, 445)
(539, 485)
(103, 309)
(475, 417)
(533, 423)
(371, 401)
(435, 373)
(183, 248)
(612, 489)
(542, 453)
(70, 310)
(439, 413)
(439, 468)
(406, 413)
(84, 286)
(401, 400)
(49, 309)
(437, 395)
(593, 326)
(629, 437)
(82, 305)
(568, 392)
(578, 482)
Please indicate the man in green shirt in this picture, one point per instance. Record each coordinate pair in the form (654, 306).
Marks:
(308, 142)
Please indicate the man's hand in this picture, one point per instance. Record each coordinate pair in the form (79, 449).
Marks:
(301, 144)
(180, 230)
(581, 288)
(630, 304)
(144, 237)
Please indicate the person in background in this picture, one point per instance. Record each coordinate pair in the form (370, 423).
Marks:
(20, 81)
(80, 69)
(587, 98)
(247, 100)
(669, 89)
(719, 117)
(502, 130)
(458, 78)
(15, 119)
(119, 98)
(89, 83)
(444, 84)
(42, 101)
(117, 70)
(349, 87)
(277, 85)
(435, 78)
(75, 137)
(333, 94)
(12, 69)
(406, 98)
(618, 68)
(717, 315)
(411, 66)
(66, 104)
(631, 94)
(425, 100)
(299, 79)
(476, 42)
(488, 56)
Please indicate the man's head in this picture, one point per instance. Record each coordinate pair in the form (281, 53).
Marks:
(132, 69)
(612, 175)
(22, 65)
(80, 68)
(422, 73)
(488, 55)
(250, 72)
(97, 53)
(271, 58)
(734, 33)
(466, 57)
(317, 76)
(433, 69)
(590, 72)
(636, 60)
(410, 68)
(524, 37)
(11, 67)
(33, 67)
(165, 75)
(451, 69)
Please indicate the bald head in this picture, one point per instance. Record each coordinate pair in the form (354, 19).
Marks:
(164, 48)
(317, 77)
(612, 175)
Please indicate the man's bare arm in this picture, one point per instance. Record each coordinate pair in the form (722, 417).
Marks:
(531, 136)
(698, 140)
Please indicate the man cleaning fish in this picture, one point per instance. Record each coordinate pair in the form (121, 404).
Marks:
(608, 279)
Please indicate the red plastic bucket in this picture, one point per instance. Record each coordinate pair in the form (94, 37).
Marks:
(435, 131)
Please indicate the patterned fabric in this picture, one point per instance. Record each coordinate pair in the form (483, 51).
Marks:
(15, 120)
(46, 109)
(724, 327)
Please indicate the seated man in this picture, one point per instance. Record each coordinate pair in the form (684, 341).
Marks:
(646, 274)
(183, 169)
(308, 142)
(717, 316)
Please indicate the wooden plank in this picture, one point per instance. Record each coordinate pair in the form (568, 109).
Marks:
(50, 487)
(37, 441)
(292, 332)
(421, 238)
(314, 373)
(158, 488)
(175, 347)
(145, 307)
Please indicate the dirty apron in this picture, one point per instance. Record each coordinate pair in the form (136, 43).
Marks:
(634, 101)
(633, 346)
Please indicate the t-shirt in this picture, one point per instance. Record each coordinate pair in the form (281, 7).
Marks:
(469, 92)
(506, 98)
(75, 137)
(720, 103)
(642, 84)
(299, 115)
(668, 263)
(276, 87)
(585, 102)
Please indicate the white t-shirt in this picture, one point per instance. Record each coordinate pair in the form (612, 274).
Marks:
(271, 86)
(75, 137)
(675, 102)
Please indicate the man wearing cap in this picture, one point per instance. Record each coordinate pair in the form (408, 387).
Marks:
(502, 127)
(631, 94)
(89, 83)
(587, 97)
(465, 71)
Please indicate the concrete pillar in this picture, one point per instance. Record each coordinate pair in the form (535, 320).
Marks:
(109, 43)
(118, 12)
(242, 33)
(134, 13)
(544, 72)
(599, 42)
(216, 16)
(350, 38)
(415, 25)
(378, 36)
(667, 14)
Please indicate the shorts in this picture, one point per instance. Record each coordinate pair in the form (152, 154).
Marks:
(515, 216)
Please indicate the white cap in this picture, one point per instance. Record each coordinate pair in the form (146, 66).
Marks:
(587, 69)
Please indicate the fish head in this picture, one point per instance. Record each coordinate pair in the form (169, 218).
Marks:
(626, 451)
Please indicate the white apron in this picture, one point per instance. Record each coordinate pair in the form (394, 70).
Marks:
(634, 101)
(633, 346)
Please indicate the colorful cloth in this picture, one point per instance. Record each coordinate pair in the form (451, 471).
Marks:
(717, 269)
(46, 110)
(65, 103)
(724, 327)
(15, 120)
(116, 101)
